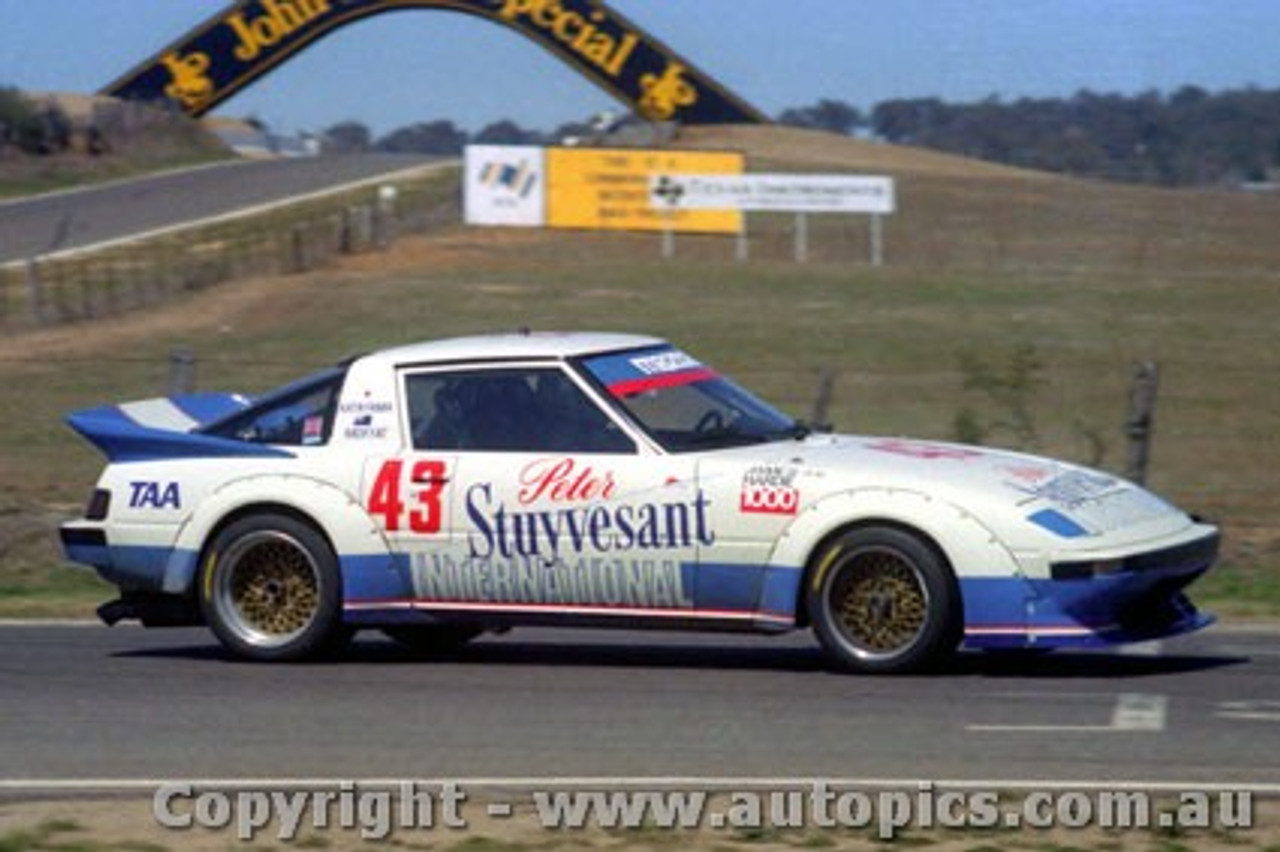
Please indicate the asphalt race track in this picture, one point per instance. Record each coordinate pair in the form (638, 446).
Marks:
(88, 702)
(66, 220)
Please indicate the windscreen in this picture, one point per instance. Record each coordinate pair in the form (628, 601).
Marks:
(684, 404)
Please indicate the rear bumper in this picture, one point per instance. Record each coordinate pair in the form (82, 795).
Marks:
(155, 567)
(85, 543)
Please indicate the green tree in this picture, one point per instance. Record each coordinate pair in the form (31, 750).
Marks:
(435, 137)
(830, 115)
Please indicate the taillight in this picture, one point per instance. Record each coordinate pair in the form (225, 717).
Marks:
(99, 505)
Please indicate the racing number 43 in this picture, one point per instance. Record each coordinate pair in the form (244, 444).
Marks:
(423, 511)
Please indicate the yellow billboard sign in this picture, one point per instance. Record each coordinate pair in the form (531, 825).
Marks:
(608, 188)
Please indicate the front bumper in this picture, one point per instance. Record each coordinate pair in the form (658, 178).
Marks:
(1092, 602)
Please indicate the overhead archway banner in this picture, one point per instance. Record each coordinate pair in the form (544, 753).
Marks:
(244, 41)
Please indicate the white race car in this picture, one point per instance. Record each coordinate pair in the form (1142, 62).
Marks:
(443, 489)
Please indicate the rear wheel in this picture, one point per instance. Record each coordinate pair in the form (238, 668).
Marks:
(270, 590)
(882, 600)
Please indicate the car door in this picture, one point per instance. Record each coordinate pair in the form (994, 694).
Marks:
(549, 505)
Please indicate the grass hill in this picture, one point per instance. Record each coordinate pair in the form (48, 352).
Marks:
(984, 265)
(127, 139)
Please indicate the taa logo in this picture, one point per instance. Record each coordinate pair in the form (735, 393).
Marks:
(154, 495)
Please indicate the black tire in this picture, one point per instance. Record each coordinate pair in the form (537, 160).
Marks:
(433, 639)
(270, 589)
(882, 600)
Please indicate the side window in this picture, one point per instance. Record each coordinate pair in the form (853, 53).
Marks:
(295, 417)
(508, 410)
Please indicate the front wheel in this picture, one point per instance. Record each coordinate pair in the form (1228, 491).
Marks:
(270, 590)
(883, 600)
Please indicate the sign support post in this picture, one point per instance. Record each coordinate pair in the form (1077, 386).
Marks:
(877, 240)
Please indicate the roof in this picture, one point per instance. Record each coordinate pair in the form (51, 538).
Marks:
(557, 345)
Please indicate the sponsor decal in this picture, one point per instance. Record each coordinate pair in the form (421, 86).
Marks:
(1093, 502)
(313, 430)
(602, 581)
(629, 375)
(277, 20)
(498, 532)
(922, 450)
(1072, 489)
(364, 423)
(1029, 472)
(366, 406)
(672, 361)
(154, 495)
(769, 490)
(364, 429)
(1057, 523)
(564, 481)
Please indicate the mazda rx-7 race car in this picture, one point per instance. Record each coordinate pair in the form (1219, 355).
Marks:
(440, 490)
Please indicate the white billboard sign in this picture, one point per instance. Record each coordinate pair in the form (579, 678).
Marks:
(504, 185)
(797, 193)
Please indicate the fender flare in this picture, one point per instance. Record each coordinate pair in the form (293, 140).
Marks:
(968, 546)
(338, 516)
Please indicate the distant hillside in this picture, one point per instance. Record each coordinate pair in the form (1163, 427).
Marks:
(50, 140)
(776, 146)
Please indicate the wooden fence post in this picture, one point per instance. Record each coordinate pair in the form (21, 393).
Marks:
(1140, 425)
(35, 292)
(819, 419)
(182, 371)
(297, 250)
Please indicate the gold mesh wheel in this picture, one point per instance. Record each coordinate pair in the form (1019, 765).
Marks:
(267, 588)
(879, 602)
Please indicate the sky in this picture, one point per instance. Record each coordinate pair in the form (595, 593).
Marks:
(421, 65)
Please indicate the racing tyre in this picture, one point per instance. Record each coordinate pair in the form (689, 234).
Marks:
(882, 600)
(433, 639)
(271, 591)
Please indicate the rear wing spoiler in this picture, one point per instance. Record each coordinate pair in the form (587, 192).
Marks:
(166, 427)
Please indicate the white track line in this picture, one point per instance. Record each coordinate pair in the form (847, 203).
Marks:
(1133, 711)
